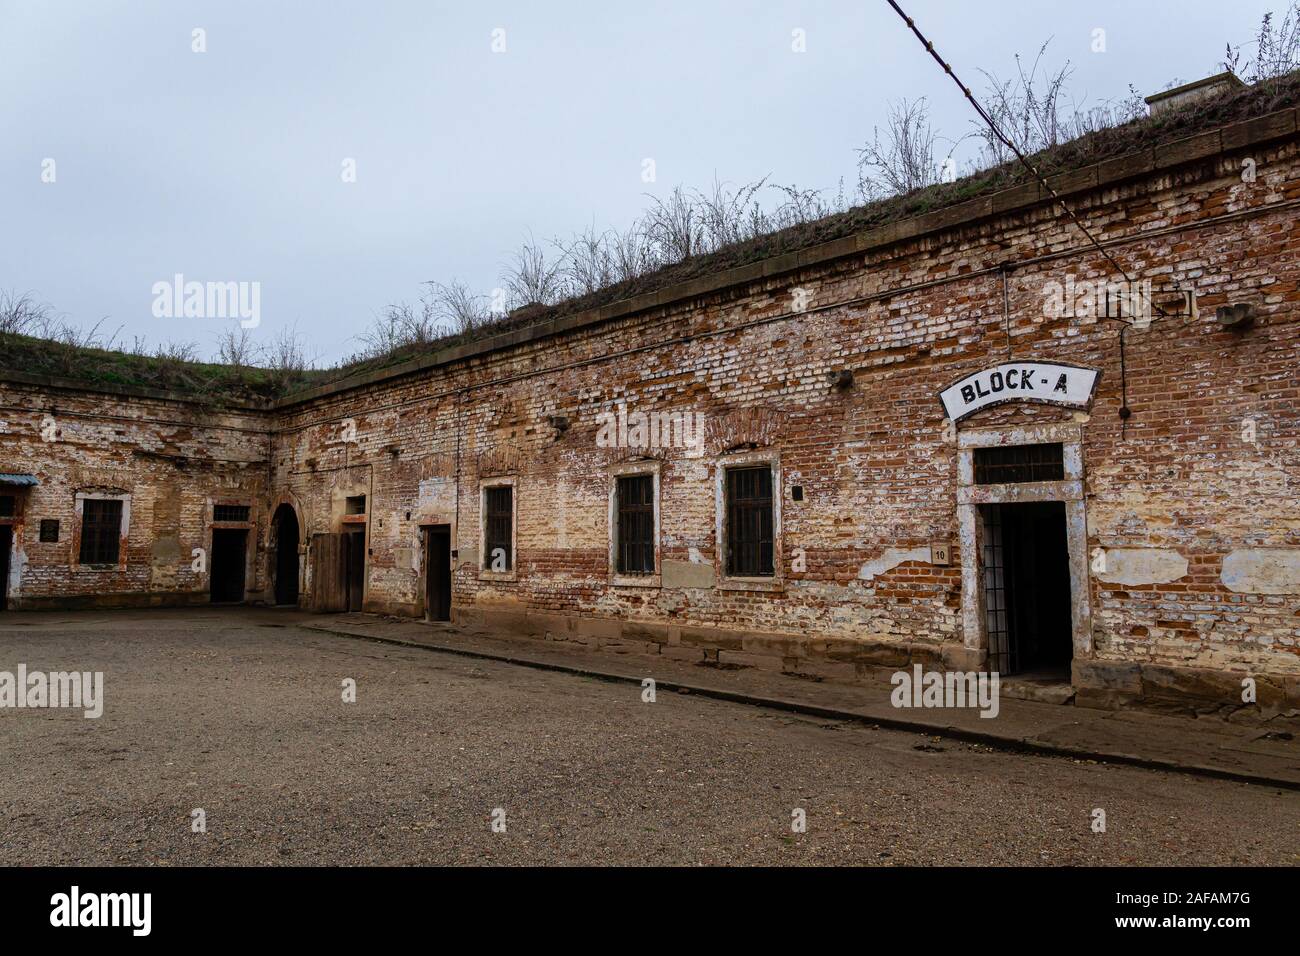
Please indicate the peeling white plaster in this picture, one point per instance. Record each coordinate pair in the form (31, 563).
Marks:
(891, 559)
(17, 565)
(433, 490)
(1262, 571)
(1143, 566)
(436, 503)
(685, 574)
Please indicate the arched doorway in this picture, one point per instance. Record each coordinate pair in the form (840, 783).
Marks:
(286, 555)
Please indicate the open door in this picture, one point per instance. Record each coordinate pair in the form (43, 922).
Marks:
(229, 564)
(437, 569)
(1026, 571)
(354, 568)
(286, 556)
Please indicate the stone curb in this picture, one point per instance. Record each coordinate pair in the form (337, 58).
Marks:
(1004, 742)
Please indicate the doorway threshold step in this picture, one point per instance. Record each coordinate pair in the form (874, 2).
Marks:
(1043, 691)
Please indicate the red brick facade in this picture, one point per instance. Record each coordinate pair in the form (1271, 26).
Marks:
(1186, 548)
(167, 461)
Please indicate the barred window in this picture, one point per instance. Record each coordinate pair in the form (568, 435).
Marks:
(101, 530)
(498, 521)
(1014, 463)
(749, 522)
(230, 512)
(49, 530)
(635, 547)
(6, 506)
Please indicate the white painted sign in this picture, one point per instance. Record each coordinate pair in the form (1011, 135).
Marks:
(1049, 382)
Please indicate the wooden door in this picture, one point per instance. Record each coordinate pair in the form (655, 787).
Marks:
(327, 591)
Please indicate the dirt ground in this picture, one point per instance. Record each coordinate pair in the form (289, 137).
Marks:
(239, 713)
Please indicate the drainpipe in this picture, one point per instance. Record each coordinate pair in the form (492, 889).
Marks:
(370, 521)
(1005, 269)
(455, 517)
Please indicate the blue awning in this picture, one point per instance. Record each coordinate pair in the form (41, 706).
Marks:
(26, 480)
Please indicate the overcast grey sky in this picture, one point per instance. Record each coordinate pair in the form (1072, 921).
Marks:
(226, 165)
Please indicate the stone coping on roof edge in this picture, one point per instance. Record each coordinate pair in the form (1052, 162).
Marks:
(59, 383)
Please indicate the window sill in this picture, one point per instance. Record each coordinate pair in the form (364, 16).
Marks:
(498, 575)
(635, 581)
(751, 584)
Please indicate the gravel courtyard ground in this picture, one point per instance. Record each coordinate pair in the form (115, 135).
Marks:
(239, 712)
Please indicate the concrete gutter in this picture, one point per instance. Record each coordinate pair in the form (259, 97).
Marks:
(1176, 745)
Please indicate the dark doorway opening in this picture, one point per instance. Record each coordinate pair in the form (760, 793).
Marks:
(286, 556)
(6, 544)
(437, 568)
(1026, 573)
(229, 557)
(354, 568)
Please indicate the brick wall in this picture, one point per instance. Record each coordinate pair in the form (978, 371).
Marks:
(1178, 480)
(876, 470)
(168, 460)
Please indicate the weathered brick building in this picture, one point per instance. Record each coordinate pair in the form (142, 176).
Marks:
(758, 466)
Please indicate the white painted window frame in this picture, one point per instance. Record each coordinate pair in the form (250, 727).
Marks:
(123, 531)
(625, 470)
(726, 582)
(505, 481)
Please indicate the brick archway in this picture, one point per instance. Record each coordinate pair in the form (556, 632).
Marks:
(286, 533)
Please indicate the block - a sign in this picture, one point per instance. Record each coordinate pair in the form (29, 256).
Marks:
(1049, 382)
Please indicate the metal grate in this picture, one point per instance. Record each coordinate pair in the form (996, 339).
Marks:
(636, 524)
(355, 505)
(230, 512)
(995, 592)
(749, 522)
(498, 517)
(1014, 463)
(101, 530)
(49, 530)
